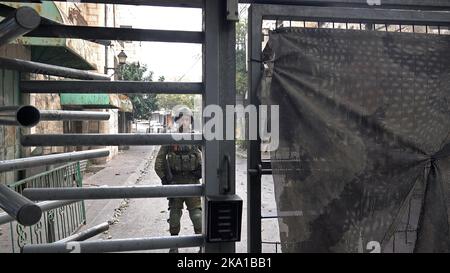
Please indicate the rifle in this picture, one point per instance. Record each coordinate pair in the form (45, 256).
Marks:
(168, 176)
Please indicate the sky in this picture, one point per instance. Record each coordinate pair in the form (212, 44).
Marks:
(174, 61)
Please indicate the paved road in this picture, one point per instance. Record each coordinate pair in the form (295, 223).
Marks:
(148, 217)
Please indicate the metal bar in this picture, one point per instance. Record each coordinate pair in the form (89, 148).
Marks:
(219, 78)
(110, 140)
(122, 87)
(45, 206)
(18, 23)
(47, 69)
(5, 9)
(26, 116)
(73, 115)
(353, 15)
(119, 34)
(199, 4)
(20, 208)
(118, 245)
(24, 163)
(254, 146)
(260, 171)
(436, 4)
(86, 234)
(164, 3)
(106, 192)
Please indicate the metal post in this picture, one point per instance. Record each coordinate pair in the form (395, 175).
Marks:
(24, 163)
(254, 146)
(73, 115)
(118, 245)
(386, 4)
(86, 234)
(106, 192)
(20, 208)
(219, 78)
(18, 23)
(45, 206)
(110, 140)
(48, 69)
(123, 87)
(119, 34)
(26, 116)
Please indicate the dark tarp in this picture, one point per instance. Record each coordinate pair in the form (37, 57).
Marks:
(364, 139)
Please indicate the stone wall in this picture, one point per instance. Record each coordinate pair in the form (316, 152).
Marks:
(10, 147)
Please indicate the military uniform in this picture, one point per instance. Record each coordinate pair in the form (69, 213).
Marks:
(184, 162)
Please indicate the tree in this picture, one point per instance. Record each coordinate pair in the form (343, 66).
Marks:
(143, 104)
(169, 101)
(241, 58)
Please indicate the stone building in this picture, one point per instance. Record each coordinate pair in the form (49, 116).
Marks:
(75, 53)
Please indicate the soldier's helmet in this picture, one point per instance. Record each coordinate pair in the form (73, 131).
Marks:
(181, 111)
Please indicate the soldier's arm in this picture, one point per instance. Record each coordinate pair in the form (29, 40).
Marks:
(160, 161)
(198, 153)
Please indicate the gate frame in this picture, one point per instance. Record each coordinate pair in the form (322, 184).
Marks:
(311, 10)
(218, 87)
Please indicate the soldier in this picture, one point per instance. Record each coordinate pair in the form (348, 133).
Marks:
(181, 164)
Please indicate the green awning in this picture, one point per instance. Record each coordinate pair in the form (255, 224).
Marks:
(96, 101)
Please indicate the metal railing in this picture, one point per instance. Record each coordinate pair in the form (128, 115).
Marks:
(57, 223)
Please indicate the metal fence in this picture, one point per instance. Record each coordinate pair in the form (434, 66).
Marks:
(55, 224)
(403, 239)
(268, 16)
(217, 88)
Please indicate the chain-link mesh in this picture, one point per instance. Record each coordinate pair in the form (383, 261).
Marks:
(364, 124)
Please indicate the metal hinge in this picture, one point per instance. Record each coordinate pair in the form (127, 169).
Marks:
(232, 10)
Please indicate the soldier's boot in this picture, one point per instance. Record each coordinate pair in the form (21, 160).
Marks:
(174, 225)
(173, 250)
(196, 218)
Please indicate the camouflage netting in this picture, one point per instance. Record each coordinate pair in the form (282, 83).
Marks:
(364, 139)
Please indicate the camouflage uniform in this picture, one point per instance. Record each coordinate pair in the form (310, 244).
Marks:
(185, 165)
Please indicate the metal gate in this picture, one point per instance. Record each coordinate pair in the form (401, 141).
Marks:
(394, 15)
(217, 87)
(55, 224)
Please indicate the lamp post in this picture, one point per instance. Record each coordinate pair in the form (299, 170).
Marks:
(122, 58)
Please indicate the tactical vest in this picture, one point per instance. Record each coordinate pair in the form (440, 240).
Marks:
(183, 158)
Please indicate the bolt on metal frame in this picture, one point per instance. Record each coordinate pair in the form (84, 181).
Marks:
(218, 87)
(398, 12)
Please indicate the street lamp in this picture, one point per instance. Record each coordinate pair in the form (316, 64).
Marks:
(122, 58)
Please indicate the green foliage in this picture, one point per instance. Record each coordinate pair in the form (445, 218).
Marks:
(169, 101)
(143, 104)
(241, 144)
(241, 58)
